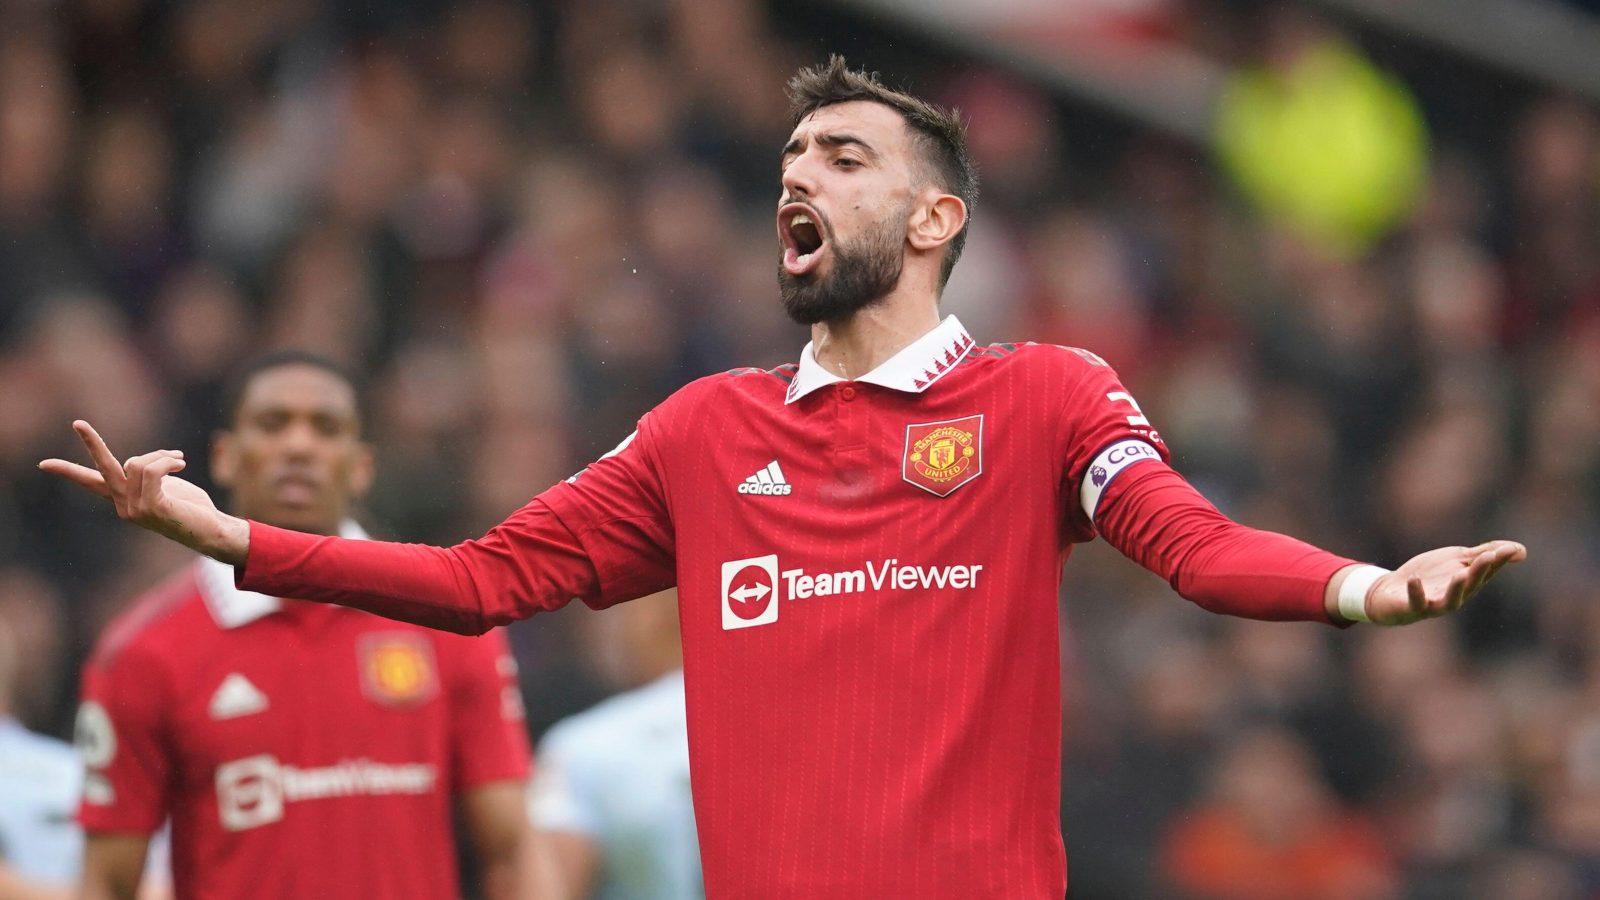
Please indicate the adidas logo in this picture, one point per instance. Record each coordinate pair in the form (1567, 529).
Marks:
(767, 482)
(236, 697)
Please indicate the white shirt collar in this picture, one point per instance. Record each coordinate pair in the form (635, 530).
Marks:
(231, 607)
(913, 369)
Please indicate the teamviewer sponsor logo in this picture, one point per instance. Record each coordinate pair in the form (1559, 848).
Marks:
(249, 792)
(750, 587)
(254, 791)
(750, 592)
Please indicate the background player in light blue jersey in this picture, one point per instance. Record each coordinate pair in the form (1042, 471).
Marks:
(41, 846)
(610, 799)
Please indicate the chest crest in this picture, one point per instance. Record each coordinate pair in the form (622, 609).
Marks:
(397, 668)
(942, 456)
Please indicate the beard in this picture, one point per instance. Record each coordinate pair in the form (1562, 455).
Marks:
(863, 273)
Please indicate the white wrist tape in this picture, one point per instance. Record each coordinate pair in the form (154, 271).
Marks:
(1353, 592)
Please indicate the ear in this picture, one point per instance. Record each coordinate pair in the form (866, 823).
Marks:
(224, 458)
(938, 219)
(362, 471)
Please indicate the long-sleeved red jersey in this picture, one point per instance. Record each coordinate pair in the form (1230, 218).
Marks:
(868, 575)
(297, 750)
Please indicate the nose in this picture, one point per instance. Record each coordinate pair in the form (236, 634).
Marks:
(799, 178)
(299, 439)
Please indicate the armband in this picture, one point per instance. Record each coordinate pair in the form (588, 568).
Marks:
(1106, 466)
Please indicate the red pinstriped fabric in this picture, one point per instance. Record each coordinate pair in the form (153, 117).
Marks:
(891, 735)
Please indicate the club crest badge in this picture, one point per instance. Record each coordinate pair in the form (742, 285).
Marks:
(942, 456)
(397, 669)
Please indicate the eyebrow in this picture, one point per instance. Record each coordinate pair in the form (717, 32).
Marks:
(830, 139)
(314, 412)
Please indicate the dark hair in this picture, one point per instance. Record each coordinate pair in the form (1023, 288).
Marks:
(941, 133)
(239, 382)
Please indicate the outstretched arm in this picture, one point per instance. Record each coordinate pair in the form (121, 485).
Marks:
(1116, 470)
(608, 541)
(1154, 517)
(467, 589)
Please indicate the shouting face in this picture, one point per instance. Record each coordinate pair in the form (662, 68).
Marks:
(849, 188)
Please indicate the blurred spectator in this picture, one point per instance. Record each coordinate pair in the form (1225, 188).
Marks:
(1557, 212)
(1272, 830)
(1521, 874)
(1320, 138)
(1088, 295)
(129, 229)
(36, 131)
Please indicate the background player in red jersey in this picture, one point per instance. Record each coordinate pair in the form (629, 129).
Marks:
(872, 669)
(298, 749)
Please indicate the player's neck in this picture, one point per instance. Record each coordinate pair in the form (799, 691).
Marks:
(330, 529)
(852, 347)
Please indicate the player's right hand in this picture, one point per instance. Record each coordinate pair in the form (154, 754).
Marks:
(146, 492)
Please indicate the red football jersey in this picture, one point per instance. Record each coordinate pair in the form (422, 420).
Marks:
(871, 642)
(867, 576)
(300, 750)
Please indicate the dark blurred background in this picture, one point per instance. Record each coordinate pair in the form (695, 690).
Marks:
(1345, 256)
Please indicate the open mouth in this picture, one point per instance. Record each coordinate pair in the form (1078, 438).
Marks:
(804, 241)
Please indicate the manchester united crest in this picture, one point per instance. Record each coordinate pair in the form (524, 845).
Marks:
(942, 456)
(398, 668)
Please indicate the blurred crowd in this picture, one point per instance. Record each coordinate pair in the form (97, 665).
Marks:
(526, 225)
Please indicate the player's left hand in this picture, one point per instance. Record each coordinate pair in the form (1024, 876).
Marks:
(1438, 582)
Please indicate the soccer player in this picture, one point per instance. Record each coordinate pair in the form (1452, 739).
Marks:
(867, 545)
(41, 848)
(611, 810)
(299, 749)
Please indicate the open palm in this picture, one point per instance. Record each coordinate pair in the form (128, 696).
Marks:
(1438, 582)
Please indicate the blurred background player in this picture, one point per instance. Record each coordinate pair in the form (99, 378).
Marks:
(326, 771)
(611, 809)
(41, 847)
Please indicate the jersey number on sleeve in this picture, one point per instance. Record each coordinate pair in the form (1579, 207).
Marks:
(1138, 417)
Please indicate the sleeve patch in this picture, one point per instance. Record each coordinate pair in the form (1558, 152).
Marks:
(1107, 465)
(94, 735)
